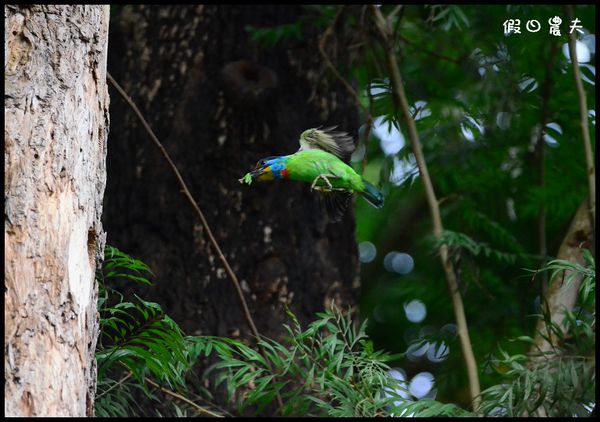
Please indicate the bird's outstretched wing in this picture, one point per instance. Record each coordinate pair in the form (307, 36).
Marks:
(339, 144)
(335, 203)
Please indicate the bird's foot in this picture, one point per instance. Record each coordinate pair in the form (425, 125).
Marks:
(324, 177)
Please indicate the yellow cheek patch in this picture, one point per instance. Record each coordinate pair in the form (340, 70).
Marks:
(266, 176)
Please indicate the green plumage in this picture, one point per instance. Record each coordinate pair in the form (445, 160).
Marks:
(319, 161)
(307, 165)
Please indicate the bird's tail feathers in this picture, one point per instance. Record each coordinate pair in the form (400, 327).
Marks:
(372, 195)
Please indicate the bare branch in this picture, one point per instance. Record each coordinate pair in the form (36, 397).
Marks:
(393, 13)
(328, 32)
(322, 42)
(115, 385)
(201, 410)
(432, 53)
(583, 120)
(187, 193)
(213, 241)
(402, 102)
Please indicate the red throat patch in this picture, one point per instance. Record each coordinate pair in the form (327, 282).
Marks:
(284, 173)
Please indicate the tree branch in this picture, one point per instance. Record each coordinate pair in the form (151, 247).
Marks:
(328, 32)
(583, 121)
(402, 102)
(213, 241)
(393, 13)
(432, 53)
(561, 295)
(201, 410)
(189, 196)
(115, 385)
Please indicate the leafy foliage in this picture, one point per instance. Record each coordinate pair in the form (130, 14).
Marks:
(557, 383)
(483, 102)
(429, 408)
(450, 16)
(136, 337)
(115, 398)
(313, 17)
(484, 105)
(460, 241)
(329, 369)
(588, 273)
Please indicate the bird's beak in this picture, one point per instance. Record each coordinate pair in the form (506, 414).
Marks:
(262, 174)
(255, 173)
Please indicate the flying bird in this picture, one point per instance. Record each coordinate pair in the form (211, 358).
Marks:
(320, 162)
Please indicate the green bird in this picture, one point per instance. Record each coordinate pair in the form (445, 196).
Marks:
(320, 162)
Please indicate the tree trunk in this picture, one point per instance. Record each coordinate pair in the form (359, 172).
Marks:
(219, 102)
(56, 126)
(562, 296)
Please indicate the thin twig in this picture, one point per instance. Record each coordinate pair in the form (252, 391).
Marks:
(397, 23)
(328, 32)
(402, 102)
(583, 120)
(187, 193)
(213, 241)
(200, 409)
(431, 53)
(391, 15)
(115, 385)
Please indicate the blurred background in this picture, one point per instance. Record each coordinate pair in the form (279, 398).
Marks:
(498, 117)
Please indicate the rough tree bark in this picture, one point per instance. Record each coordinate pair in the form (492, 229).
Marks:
(218, 103)
(56, 126)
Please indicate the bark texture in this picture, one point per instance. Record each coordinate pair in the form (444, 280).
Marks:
(56, 127)
(219, 102)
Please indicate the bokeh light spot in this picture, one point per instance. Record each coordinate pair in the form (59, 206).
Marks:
(415, 311)
(581, 49)
(402, 263)
(391, 139)
(398, 262)
(421, 384)
(366, 252)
